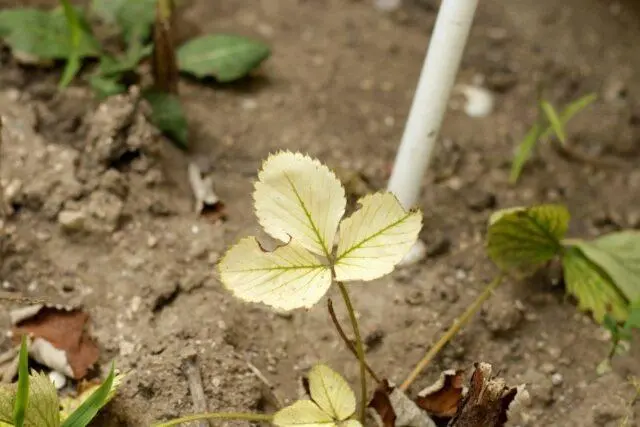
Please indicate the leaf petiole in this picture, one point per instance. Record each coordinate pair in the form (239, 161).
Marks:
(359, 349)
(453, 330)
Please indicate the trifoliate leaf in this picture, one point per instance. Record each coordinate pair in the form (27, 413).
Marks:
(168, 116)
(333, 403)
(42, 407)
(302, 413)
(22, 393)
(133, 17)
(289, 277)
(331, 392)
(45, 34)
(375, 238)
(592, 287)
(88, 409)
(225, 57)
(618, 254)
(522, 239)
(299, 198)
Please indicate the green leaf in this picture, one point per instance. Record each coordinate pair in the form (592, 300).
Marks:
(375, 238)
(333, 403)
(104, 87)
(115, 66)
(168, 116)
(592, 287)
(618, 255)
(571, 110)
(225, 57)
(633, 321)
(70, 404)
(46, 34)
(290, 277)
(83, 415)
(554, 120)
(73, 61)
(298, 198)
(134, 17)
(22, 393)
(522, 239)
(42, 408)
(524, 152)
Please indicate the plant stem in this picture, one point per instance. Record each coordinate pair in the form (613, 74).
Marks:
(241, 416)
(453, 330)
(346, 339)
(359, 349)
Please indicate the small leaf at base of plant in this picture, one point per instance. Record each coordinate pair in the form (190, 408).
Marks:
(225, 57)
(523, 238)
(168, 116)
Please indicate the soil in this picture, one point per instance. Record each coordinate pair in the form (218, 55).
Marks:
(104, 213)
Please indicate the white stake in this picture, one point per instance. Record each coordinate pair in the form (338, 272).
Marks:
(431, 98)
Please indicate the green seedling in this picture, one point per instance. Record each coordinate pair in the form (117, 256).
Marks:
(64, 34)
(550, 123)
(34, 402)
(621, 334)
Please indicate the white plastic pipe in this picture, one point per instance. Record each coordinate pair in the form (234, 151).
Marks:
(431, 98)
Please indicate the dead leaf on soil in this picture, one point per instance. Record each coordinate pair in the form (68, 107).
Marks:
(442, 398)
(207, 202)
(489, 402)
(393, 408)
(58, 338)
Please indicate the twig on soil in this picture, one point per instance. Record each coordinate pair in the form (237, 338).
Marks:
(346, 339)
(573, 153)
(275, 400)
(453, 330)
(194, 378)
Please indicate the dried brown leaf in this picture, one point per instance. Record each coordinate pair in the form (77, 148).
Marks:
(443, 397)
(381, 403)
(64, 330)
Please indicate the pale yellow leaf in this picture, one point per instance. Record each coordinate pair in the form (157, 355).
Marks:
(42, 405)
(350, 423)
(289, 277)
(331, 392)
(375, 238)
(299, 198)
(303, 413)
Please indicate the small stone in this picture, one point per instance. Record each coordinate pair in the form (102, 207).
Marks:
(479, 201)
(114, 182)
(72, 220)
(58, 379)
(557, 379)
(415, 297)
(373, 339)
(547, 368)
(502, 317)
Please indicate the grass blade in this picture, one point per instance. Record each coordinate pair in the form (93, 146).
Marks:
(524, 151)
(82, 416)
(571, 110)
(73, 61)
(554, 120)
(22, 394)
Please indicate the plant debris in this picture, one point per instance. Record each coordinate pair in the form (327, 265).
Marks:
(58, 338)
